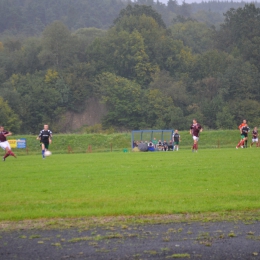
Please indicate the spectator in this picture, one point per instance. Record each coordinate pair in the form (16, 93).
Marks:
(151, 146)
(170, 145)
(165, 146)
(154, 142)
(160, 145)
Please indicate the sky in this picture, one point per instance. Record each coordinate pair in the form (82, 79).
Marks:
(199, 1)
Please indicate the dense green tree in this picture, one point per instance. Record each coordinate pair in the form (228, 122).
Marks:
(11, 17)
(176, 90)
(195, 35)
(210, 109)
(241, 81)
(126, 56)
(8, 118)
(81, 83)
(209, 18)
(39, 100)
(185, 10)
(122, 98)
(57, 46)
(245, 108)
(139, 10)
(173, 6)
(210, 64)
(241, 30)
(157, 108)
(225, 119)
(148, 76)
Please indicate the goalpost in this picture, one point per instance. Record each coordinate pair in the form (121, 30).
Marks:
(148, 135)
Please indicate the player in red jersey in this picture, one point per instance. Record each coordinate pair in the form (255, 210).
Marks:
(4, 143)
(243, 124)
(195, 130)
(254, 137)
(242, 136)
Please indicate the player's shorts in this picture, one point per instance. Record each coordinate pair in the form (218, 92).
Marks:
(242, 136)
(195, 138)
(176, 142)
(255, 140)
(5, 145)
(46, 145)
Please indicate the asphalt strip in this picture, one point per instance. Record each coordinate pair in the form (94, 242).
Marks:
(183, 240)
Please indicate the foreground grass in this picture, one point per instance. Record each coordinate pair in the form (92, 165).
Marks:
(115, 184)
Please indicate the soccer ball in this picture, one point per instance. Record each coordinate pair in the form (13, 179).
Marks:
(47, 153)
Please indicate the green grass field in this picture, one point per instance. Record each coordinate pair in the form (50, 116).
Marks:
(112, 184)
(119, 141)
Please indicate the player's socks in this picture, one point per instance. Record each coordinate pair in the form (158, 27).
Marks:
(241, 143)
(12, 154)
(43, 152)
(6, 155)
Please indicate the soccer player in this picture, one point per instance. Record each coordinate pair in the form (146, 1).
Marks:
(254, 137)
(241, 135)
(176, 139)
(45, 138)
(242, 124)
(195, 130)
(4, 143)
(244, 134)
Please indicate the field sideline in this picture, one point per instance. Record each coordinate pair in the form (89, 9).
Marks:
(113, 184)
(79, 143)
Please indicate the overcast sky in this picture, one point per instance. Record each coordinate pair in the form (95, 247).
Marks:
(198, 1)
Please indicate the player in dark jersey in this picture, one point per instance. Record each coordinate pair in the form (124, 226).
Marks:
(244, 135)
(4, 144)
(254, 137)
(195, 130)
(176, 138)
(45, 138)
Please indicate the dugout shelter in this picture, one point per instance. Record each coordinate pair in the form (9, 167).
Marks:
(148, 135)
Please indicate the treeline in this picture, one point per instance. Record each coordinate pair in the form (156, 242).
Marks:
(30, 17)
(148, 74)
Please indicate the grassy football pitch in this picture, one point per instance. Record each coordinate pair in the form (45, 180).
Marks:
(111, 184)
